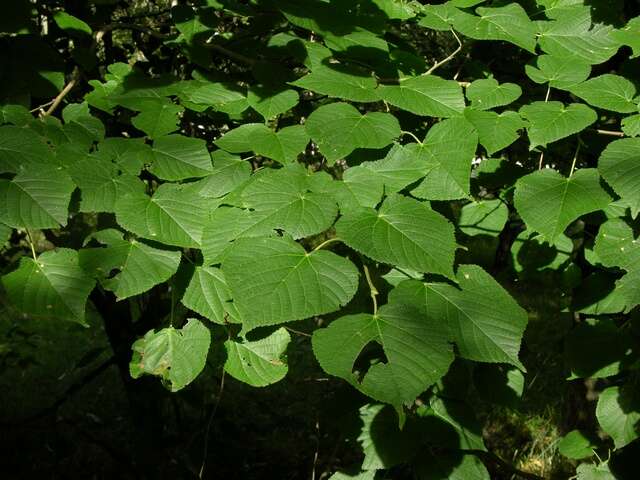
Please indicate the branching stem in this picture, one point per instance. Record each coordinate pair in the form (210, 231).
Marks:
(412, 135)
(31, 244)
(449, 58)
(65, 91)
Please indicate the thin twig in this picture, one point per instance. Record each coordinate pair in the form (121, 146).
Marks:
(611, 133)
(403, 132)
(65, 91)
(326, 242)
(546, 97)
(209, 422)
(575, 158)
(41, 107)
(450, 57)
(33, 250)
(540, 160)
(230, 53)
(317, 452)
(372, 288)
(298, 332)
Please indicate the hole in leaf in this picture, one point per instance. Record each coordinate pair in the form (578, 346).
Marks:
(370, 355)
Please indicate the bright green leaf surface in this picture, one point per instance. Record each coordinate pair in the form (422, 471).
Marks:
(619, 165)
(53, 286)
(488, 93)
(551, 121)
(177, 356)
(549, 202)
(611, 92)
(140, 266)
(36, 198)
(415, 347)
(404, 232)
(483, 320)
(286, 283)
(339, 129)
(427, 95)
(258, 363)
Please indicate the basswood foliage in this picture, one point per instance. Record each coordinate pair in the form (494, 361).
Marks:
(317, 163)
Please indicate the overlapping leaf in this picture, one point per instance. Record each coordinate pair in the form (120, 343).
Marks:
(619, 165)
(549, 202)
(339, 129)
(404, 232)
(414, 345)
(286, 283)
(482, 319)
(51, 286)
(140, 266)
(175, 355)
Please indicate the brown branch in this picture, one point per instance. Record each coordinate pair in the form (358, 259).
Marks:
(75, 76)
(131, 26)
(230, 53)
(611, 133)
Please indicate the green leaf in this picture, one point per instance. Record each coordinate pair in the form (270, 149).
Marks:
(531, 252)
(339, 129)
(495, 131)
(129, 154)
(72, 25)
(629, 35)
(404, 232)
(229, 171)
(286, 283)
(575, 445)
(560, 72)
(487, 93)
(53, 286)
(208, 294)
(20, 147)
(101, 182)
(597, 349)
(451, 414)
(228, 224)
(360, 187)
(631, 125)
(283, 146)
(140, 266)
(427, 95)
(571, 35)
(447, 152)
(5, 232)
(509, 23)
(36, 198)
(499, 384)
(270, 102)
(486, 217)
(616, 247)
(223, 97)
(177, 157)
(341, 81)
(285, 199)
(158, 119)
(177, 356)
(611, 92)
(415, 346)
(551, 121)
(383, 443)
(598, 296)
(483, 320)
(618, 414)
(619, 165)
(258, 363)
(589, 471)
(549, 202)
(174, 215)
